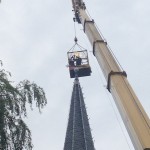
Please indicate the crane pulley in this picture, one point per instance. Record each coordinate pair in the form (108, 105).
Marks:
(77, 4)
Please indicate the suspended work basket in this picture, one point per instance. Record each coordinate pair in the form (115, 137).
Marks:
(78, 62)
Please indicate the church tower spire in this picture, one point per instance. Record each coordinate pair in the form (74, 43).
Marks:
(78, 135)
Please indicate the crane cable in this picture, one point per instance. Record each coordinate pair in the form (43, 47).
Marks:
(115, 113)
(105, 40)
(76, 44)
(76, 40)
(75, 29)
(111, 103)
(121, 68)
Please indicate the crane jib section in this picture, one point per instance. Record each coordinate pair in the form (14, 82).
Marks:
(77, 4)
(132, 112)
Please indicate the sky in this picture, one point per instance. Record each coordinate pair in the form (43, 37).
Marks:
(35, 36)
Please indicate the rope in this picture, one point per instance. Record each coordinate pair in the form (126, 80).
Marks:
(88, 13)
(76, 44)
(106, 93)
(105, 40)
(82, 48)
(141, 112)
(115, 57)
(115, 113)
(72, 48)
(75, 29)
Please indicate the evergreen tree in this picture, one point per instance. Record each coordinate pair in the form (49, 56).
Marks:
(14, 133)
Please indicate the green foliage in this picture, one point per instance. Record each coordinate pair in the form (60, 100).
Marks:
(14, 133)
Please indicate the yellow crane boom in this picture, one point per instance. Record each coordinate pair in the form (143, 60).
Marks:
(133, 114)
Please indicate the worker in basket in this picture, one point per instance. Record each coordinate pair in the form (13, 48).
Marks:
(78, 61)
(75, 60)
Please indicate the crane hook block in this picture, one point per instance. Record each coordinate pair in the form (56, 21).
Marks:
(77, 17)
(75, 39)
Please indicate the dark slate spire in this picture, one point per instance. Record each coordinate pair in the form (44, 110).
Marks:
(78, 135)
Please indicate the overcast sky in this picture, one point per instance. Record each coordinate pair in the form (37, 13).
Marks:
(35, 36)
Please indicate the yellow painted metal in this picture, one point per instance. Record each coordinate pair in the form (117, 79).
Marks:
(135, 118)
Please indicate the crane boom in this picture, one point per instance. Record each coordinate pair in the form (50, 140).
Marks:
(133, 114)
